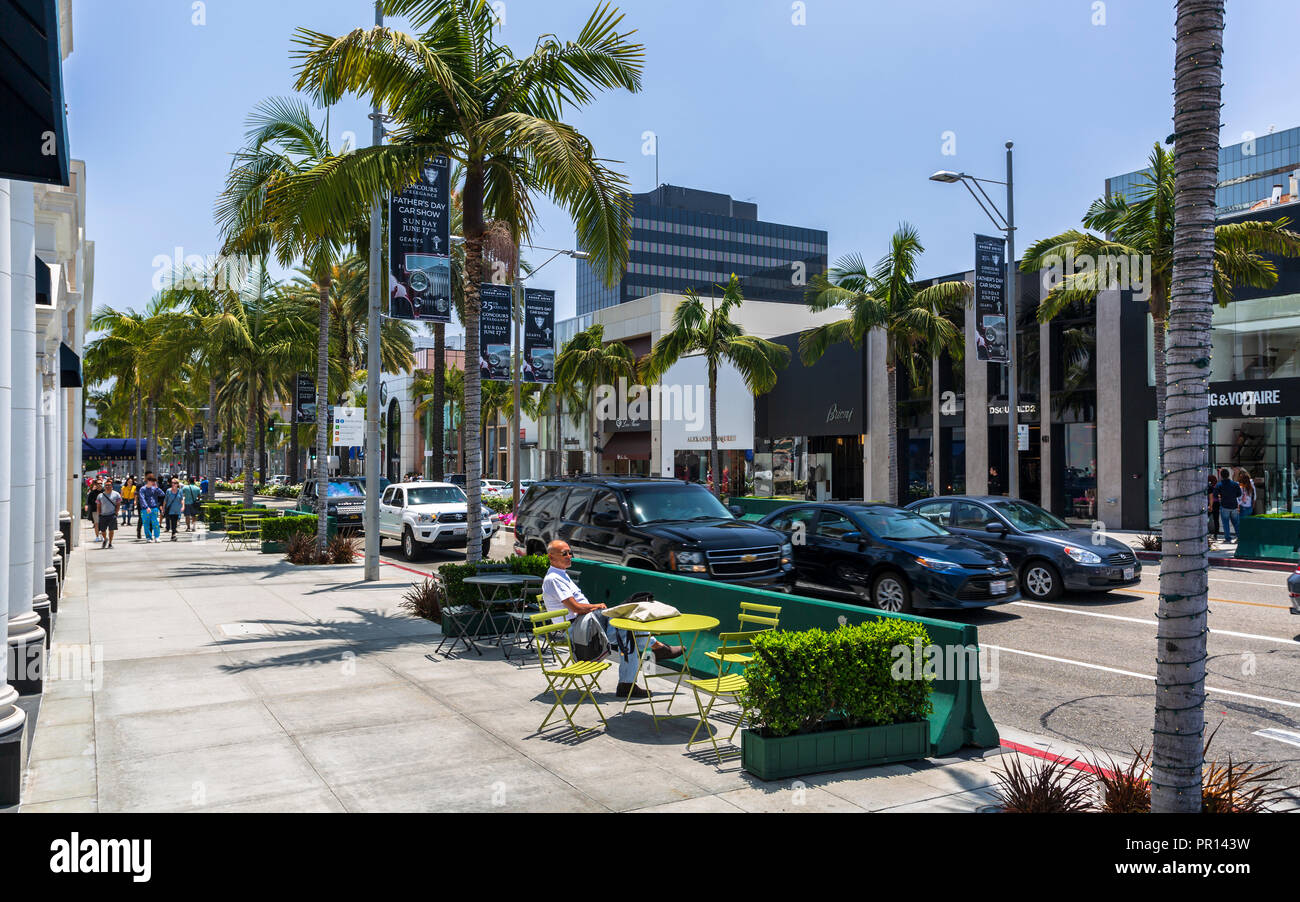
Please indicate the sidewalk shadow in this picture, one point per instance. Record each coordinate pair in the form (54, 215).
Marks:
(355, 633)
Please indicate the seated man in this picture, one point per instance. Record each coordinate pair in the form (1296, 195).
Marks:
(560, 591)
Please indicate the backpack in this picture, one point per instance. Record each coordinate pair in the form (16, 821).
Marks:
(587, 639)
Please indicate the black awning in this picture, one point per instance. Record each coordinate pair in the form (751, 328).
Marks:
(69, 367)
(112, 449)
(42, 281)
(31, 93)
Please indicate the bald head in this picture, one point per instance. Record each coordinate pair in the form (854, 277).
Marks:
(559, 554)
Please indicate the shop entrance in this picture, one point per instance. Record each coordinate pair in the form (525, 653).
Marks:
(837, 458)
(1031, 465)
(1268, 448)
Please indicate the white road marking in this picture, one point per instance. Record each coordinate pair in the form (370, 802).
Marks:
(1209, 690)
(1246, 582)
(1280, 735)
(1058, 609)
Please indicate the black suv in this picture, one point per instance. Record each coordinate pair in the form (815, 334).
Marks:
(653, 524)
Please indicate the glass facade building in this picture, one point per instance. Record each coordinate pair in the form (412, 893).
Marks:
(686, 238)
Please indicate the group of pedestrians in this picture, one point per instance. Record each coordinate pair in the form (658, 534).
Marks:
(1229, 498)
(155, 503)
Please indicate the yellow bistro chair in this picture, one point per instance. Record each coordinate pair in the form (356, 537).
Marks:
(732, 648)
(759, 617)
(549, 629)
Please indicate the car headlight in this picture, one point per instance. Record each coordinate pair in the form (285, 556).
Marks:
(1082, 555)
(688, 561)
(930, 563)
(426, 518)
(787, 553)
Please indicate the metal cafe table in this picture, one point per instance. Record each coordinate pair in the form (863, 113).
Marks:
(494, 591)
(682, 626)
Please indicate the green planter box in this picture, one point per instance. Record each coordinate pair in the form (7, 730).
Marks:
(1269, 539)
(814, 753)
(275, 547)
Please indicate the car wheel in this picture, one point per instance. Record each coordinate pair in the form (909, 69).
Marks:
(1040, 581)
(409, 549)
(891, 593)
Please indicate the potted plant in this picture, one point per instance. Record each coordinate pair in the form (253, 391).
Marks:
(822, 701)
(276, 531)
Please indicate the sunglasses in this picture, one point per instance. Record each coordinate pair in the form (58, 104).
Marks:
(565, 553)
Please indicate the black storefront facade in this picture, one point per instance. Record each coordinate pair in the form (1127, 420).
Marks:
(809, 431)
(1254, 392)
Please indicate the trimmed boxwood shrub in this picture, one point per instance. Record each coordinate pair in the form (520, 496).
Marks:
(453, 575)
(279, 529)
(803, 682)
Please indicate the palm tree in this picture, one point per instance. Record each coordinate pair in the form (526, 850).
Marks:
(557, 396)
(1144, 228)
(709, 332)
(915, 320)
(276, 183)
(1177, 748)
(589, 361)
(455, 90)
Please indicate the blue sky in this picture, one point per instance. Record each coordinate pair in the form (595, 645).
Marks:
(833, 124)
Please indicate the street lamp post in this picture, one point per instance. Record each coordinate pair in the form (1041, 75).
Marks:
(373, 359)
(1007, 225)
(518, 297)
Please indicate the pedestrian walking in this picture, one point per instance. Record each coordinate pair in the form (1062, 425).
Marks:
(107, 504)
(173, 506)
(92, 507)
(1212, 501)
(139, 505)
(1246, 503)
(151, 501)
(128, 499)
(192, 496)
(203, 486)
(1228, 493)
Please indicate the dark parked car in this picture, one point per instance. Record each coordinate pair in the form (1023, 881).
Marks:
(892, 558)
(346, 501)
(654, 524)
(1049, 554)
(1293, 587)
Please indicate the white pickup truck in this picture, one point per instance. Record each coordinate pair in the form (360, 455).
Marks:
(426, 515)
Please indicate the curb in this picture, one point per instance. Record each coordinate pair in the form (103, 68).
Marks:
(1230, 562)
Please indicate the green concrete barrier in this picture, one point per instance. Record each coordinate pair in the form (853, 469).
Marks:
(959, 717)
(757, 508)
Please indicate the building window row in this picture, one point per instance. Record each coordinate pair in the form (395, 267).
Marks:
(730, 234)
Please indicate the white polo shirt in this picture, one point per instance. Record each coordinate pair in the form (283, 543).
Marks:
(558, 586)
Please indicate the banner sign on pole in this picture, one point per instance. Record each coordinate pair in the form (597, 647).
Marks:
(304, 404)
(539, 336)
(991, 341)
(349, 427)
(419, 247)
(494, 332)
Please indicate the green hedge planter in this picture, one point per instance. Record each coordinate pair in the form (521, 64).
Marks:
(1269, 539)
(776, 758)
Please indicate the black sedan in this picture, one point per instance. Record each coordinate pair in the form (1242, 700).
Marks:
(1049, 554)
(892, 558)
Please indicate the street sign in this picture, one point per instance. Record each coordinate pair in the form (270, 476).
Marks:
(349, 426)
(1022, 437)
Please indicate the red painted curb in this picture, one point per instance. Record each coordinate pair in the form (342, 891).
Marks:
(1241, 563)
(1059, 759)
(407, 569)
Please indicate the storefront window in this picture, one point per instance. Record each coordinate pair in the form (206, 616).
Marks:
(780, 468)
(1256, 339)
(1080, 474)
(693, 466)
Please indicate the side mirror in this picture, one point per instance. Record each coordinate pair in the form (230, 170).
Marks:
(736, 511)
(996, 526)
(852, 537)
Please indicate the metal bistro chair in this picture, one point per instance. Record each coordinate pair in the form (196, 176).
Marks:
(732, 647)
(766, 616)
(233, 523)
(522, 621)
(573, 676)
(465, 617)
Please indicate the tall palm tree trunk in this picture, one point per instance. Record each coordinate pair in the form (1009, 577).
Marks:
(249, 481)
(1177, 746)
(153, 436)
(210, 432)
(139, 433)
(293, 454)
(261, 440)
(1162, 387)
(559, 436)
(438, 438)
(713, 430)
(322, 415)
(892, 370)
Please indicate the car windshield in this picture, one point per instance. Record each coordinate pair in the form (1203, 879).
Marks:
(346, 490)
(889, 523)
(1028, 517)
(679, 503)
(447, 494)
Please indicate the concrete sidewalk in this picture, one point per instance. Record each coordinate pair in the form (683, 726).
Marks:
(233, 681)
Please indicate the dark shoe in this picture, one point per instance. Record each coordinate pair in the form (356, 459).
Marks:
(667, 652)
(631, 690)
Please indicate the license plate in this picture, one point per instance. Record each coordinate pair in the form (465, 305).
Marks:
(998, 587)
(1128, 572)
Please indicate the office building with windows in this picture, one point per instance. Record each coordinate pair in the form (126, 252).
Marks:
(685, 238)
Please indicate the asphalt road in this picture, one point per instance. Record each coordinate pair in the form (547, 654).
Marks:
(1081, 669)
